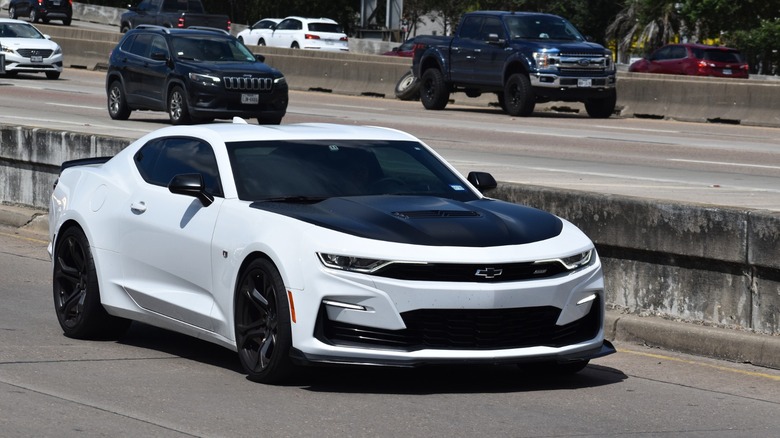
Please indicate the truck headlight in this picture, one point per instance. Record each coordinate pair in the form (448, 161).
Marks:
(547, 60)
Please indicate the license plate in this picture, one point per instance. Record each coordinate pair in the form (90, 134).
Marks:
(726, 71)
(36, 59)
(55, 2)
(250, 99)
(584, 82)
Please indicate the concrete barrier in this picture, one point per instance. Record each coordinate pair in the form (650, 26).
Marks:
(700, 264)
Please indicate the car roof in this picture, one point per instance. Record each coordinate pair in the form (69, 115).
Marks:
(176, 31)
(239, 130)
(703, 46)
(311, 19)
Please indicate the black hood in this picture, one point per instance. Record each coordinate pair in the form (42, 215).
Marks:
(423, 220)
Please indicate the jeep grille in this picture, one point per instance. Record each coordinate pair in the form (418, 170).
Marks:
(240, 83)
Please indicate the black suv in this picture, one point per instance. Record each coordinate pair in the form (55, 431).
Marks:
(194, 74)
(42, 10)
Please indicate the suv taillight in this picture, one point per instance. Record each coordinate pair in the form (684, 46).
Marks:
(309, 36)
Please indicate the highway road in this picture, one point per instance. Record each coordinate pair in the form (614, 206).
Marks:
(721, 164)
(157, 383)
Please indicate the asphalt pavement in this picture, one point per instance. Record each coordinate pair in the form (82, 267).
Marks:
(721, 343)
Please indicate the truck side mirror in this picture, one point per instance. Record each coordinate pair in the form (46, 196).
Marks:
(483, 181)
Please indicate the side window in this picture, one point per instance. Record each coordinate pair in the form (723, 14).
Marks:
(158, 45)
(679, 52)
(127, 44)
(470, 28)
(492, 25)
(285, 25)
(141, 45)
(160, 160)
(661, 54)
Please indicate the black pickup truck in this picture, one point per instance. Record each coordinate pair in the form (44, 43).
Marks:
(522, 57)
(172, 14)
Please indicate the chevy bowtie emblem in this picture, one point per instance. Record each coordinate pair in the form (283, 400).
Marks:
(489, 272)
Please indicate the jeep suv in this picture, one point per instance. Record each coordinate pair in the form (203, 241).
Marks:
(194, 74)
(42, 10)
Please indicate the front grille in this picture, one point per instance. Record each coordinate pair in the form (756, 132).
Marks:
(242, 83)
(467, 329)
(29, 53)
(463, 273)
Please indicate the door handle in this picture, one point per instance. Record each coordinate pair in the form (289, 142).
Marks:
(138, 207)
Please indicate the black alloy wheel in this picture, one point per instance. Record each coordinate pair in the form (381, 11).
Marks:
(433, 90)
(76, 291)
(262, 323)
(519, 99)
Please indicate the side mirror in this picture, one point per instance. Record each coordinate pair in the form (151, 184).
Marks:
(483, 181)
(260, 57)
(159, 56)
(191, 184)
(494, 39)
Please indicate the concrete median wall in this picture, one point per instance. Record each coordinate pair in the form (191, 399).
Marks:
(701, 264)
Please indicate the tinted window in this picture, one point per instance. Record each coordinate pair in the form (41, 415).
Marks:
(542, 27)
(470, 27)
(718, 55)
(324, 169)
(492, 26)
(141, 45)
(290, 24)
(160, 160)
(325, 27)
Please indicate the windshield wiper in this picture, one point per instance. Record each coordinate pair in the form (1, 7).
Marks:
(295, 199)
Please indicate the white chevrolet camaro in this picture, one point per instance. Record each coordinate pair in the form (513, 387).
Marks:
(317, 243)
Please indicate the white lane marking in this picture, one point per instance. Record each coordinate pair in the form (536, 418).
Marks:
(78, 106)
(373, 108)
(723, 163)
(625, 128)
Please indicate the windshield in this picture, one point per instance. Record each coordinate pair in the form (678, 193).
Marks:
(320, 169)
(18, 30)
(202, 48)
(542, 27)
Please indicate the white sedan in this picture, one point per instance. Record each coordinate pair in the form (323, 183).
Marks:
(26, 50)
(315, 243)
(258, 33)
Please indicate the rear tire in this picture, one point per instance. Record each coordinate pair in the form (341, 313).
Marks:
(117, 103)
(178, 111)
(12, 13)
(76, 292)
(602, 108)
(262, 323)
(519, 99)
(295, 46)
(408, 87)
(433, 91)
(34, 17)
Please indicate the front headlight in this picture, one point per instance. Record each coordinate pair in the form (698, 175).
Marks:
(206, 80)
(353, 264)
(280, 80)
(57, 51)
(575, 261)
(547, 60)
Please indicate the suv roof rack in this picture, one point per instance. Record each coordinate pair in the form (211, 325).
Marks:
(153, 26)
(211, 29)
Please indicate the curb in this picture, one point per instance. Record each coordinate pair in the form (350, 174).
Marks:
(720, 343)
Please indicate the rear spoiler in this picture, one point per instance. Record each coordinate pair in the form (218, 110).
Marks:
(83, 162)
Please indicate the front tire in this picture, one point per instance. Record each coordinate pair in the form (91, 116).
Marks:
(12, 13)
(519, 99)
(178, 111)
(408, 87)
(262, 323)
(76, 291)
(433, 91)
(602, 108)
(34, 17)
(117, 103)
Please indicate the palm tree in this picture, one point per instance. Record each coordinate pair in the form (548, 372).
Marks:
(645, 25)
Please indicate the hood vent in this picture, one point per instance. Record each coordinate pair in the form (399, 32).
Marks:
(435, 214)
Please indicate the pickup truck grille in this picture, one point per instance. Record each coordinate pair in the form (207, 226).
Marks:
(248, 84)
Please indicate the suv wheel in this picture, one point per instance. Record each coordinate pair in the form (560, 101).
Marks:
(178, 111)
(117, 104)
(12, 13)
(34, 17)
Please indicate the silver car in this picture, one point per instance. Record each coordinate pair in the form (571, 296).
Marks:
(24, 49)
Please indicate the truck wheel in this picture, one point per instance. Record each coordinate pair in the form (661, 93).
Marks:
(519, 97)
(602, 108)
(433, 91)
(408, 87)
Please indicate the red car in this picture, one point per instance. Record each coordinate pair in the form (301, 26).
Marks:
(405, 50)
(694, 59)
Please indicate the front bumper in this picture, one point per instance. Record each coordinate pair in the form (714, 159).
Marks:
(546, 80)
(357, 319)
(219, 103)
(16, 63)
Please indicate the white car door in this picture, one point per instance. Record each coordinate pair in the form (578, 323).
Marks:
(285, 32)
(166, 241)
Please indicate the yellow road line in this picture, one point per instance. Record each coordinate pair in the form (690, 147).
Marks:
(692, 362)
